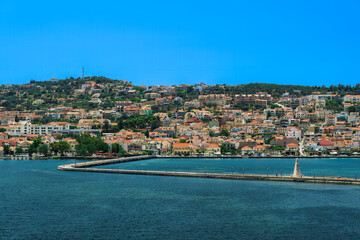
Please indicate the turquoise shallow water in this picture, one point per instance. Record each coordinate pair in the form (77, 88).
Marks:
(39, 202)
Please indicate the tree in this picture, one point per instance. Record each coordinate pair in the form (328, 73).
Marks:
(225, 150)
(91, 149)
(121, 124)
(115, 147)
(19, 150)
(225, 133)
(211, 105)
(115, 129)
(268, 141)
(60, 147)
(147, 134)
(268, 115)
(121, 150)
(3, 130)
(155, 124)
(81, 149)
(103, 147)
(33, 148)
(64, 147)
(155, 109)
(85, 139)
(106, 126)
(6, 149)
(44, 149)
(91, 144)
(17, 118)
(137, 121)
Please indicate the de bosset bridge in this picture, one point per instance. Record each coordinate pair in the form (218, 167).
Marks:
(88, 167)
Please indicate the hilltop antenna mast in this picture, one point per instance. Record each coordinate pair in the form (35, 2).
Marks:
(83, 71)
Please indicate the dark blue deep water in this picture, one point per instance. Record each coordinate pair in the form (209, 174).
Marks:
(39, 202)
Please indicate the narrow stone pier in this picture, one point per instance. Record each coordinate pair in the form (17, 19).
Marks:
(86, 167)
(83, 165)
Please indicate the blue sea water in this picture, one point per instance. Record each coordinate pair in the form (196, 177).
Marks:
(39, 202)
(343, 167)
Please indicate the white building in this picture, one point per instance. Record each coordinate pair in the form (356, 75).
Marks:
(24, 128)
(96, 100)
(352, 98)
(300, 115)
(293, 132)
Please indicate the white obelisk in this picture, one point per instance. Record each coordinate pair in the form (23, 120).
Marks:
(297, 172)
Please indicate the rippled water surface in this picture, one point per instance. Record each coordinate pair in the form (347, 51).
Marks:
(39, 202)
(344, 167)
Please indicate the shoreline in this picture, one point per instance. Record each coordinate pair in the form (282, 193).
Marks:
(260, 157)
(169, 157)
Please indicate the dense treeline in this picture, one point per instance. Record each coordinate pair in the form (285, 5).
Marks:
(135, 122)
(21, 97)
(277, 90)
(88, 145)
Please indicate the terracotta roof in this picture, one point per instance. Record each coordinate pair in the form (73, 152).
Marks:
(246, 148)
(292, 145)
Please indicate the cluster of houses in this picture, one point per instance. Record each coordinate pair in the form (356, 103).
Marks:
(207, 124)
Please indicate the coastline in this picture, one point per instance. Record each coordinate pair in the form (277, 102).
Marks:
(224, 157)
(173, 156)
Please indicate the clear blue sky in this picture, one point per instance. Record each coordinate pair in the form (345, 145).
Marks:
(174, 42)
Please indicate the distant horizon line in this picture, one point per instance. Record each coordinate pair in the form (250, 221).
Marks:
(137, 84)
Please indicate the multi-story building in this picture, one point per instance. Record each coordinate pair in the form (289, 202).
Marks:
(218, 99)
(280, 112)
(192, 104)
(320, 103)
(312, 116)
(163, 101)
(293, 132)
(330, 119)
(291, 101)
(182, 148)
(252, 99)
(300, 114)
(119, 105)
(317, 95)
(152, 95)
(25, 127)
(132, 109)
(352, 98)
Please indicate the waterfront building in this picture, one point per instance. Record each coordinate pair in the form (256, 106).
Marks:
(25, 127)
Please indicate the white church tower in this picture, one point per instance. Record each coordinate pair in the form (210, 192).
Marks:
(297, 172)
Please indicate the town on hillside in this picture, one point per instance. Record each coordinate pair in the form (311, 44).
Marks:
(97, 116)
